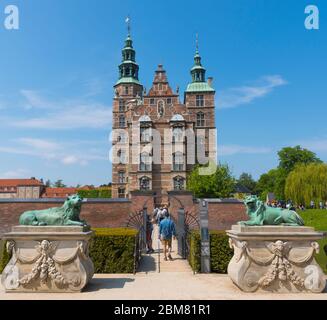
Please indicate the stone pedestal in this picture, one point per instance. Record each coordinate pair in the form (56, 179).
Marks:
(275, 259)
(48, 259)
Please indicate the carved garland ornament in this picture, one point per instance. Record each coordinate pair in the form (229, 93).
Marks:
(280, 266)
(45, 263)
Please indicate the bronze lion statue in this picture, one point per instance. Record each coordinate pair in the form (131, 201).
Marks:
(67, 215)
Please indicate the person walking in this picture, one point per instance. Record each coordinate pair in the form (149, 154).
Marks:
(321, 205)
(312, 204)
(149, 231)
(167, 231)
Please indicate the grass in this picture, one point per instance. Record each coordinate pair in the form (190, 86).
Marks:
(318, 219)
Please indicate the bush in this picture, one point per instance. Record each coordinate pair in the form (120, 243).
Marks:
(95, 193)
(220, 252)
(112, 250)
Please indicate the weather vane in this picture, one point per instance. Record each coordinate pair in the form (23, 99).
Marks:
(197, 42)
(128, 22)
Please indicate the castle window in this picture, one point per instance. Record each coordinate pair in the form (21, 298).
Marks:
(178, 161)
(121, 156)
(121, 177)
(126, 90)
(145, 134)
(179, 183)
(199, 100)
(121, 106)
(145, 162)
(178, 134)
(169, 100)
(121, 193)
(152, 102)
(122, 121)
(145, 183)
(200, 119)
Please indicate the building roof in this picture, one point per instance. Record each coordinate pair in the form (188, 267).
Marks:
(57, 192)
(239, 188)
(127, 80)
(199, 87)
(19, 182)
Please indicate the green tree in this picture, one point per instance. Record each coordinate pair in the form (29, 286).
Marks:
(272, 181)
(59, 184)
(220, 184)
(306, 183)
(289, 157)
(247, 181)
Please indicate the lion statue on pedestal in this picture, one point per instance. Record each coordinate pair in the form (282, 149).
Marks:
(260, 214)
(67, 215)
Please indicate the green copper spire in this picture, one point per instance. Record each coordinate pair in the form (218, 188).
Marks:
(198, 73)
(128, 69)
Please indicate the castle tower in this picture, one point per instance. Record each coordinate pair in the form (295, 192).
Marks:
(127, 89)
(199, 99)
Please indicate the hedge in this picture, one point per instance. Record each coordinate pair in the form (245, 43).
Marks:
(111, 250)
(95, 193)
(4, 256)
(220, 252)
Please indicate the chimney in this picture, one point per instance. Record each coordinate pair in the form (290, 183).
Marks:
(210, 80)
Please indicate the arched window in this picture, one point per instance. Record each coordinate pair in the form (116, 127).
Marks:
(179, 183)
(178, 161)
(122, 121)
(145, 183)
(200, 119)
(145, 161)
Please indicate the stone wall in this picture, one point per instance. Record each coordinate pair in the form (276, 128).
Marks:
(112, 213)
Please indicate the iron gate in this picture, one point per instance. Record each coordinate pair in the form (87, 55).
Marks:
(138, 220)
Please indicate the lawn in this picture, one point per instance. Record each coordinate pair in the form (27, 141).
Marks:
(317, 219)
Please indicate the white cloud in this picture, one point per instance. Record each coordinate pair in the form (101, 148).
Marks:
(316, 145)
(40, 144)
(234, 97)
(228, 150)
(35, 100)
(13, 174)
(73, 116)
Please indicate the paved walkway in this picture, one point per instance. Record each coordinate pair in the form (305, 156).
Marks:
(155, 262)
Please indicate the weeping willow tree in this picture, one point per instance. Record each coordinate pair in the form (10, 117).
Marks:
(306, 183)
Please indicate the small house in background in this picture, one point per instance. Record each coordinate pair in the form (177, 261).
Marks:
(240, 191)
(21, 188)
(270, 197)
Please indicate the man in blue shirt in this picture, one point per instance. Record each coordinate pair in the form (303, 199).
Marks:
(167, 231)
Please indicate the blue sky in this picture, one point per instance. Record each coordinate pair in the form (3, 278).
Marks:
(58, 69)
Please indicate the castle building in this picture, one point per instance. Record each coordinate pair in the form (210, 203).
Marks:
(157, 139)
